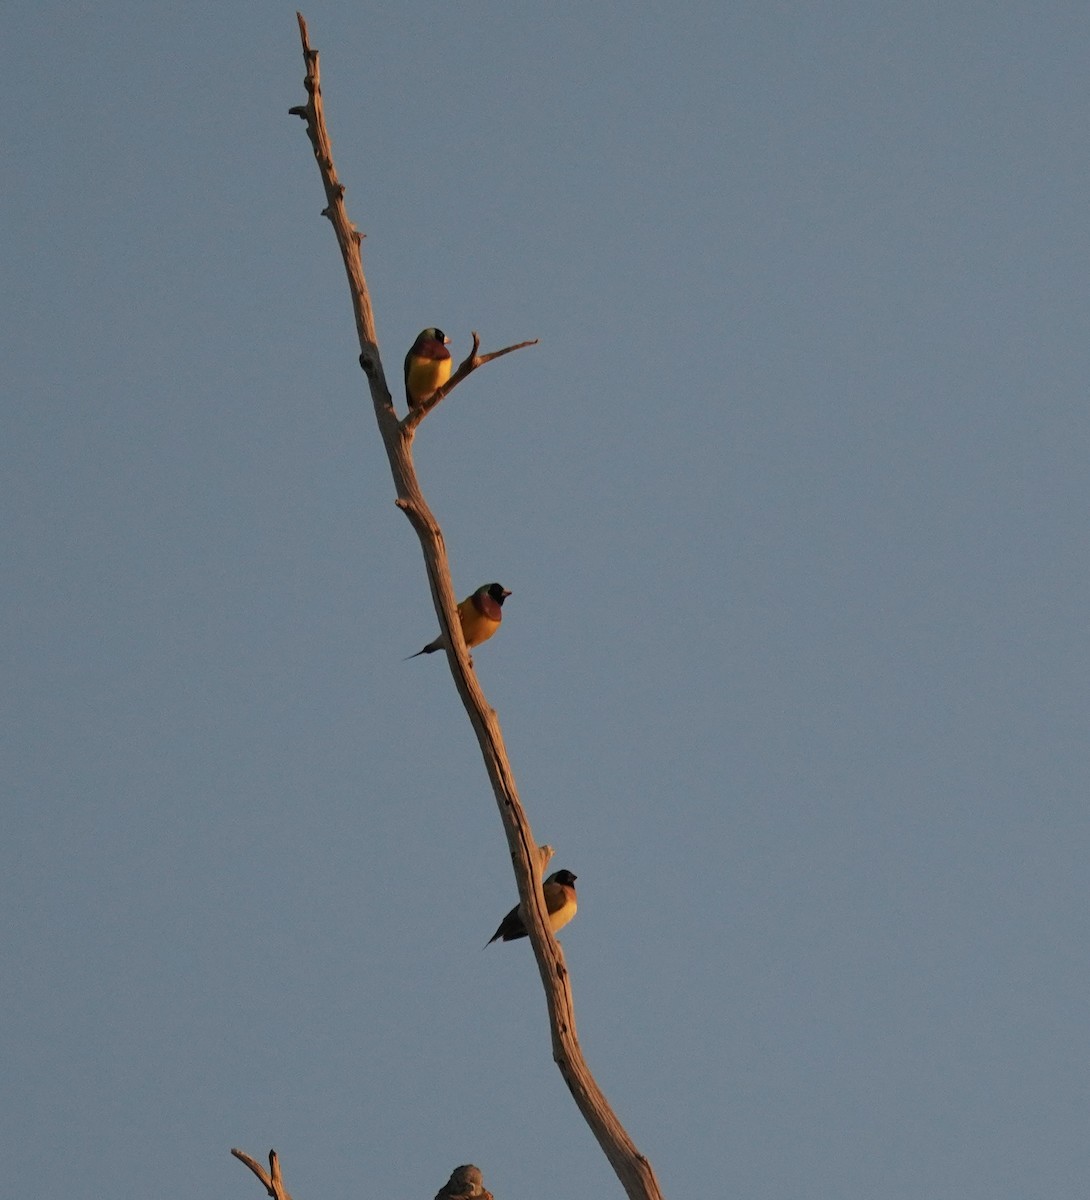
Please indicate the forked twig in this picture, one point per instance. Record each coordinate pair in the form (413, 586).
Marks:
(469, 364)
(270, 1179)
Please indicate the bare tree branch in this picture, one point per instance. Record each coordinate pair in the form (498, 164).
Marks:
(633, 1170)
(270, 1179)
(470, 363)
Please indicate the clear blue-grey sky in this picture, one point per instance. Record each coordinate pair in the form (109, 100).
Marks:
(792, 498)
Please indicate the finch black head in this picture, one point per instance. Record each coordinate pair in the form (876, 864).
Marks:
(488, 599)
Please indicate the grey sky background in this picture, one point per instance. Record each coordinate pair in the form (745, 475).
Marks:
(792, 500)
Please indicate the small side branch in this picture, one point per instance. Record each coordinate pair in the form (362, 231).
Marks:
(467, 366)
(270, 1179)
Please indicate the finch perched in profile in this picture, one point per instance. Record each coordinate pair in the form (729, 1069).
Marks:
(559, 891)
(479, 615)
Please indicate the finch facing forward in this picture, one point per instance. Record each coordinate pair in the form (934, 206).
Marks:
(427, 365)
(559, 891)
(479, 615)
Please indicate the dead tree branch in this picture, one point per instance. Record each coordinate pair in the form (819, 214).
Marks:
(470, 363)
(270, 1179)
(633, 1170)
(465, 1182)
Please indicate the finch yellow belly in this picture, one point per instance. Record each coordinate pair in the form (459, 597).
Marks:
(425, 375)
(476, 626)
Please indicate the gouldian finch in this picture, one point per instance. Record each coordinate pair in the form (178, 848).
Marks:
(427, 365)
(559, 891)
(479, 615)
